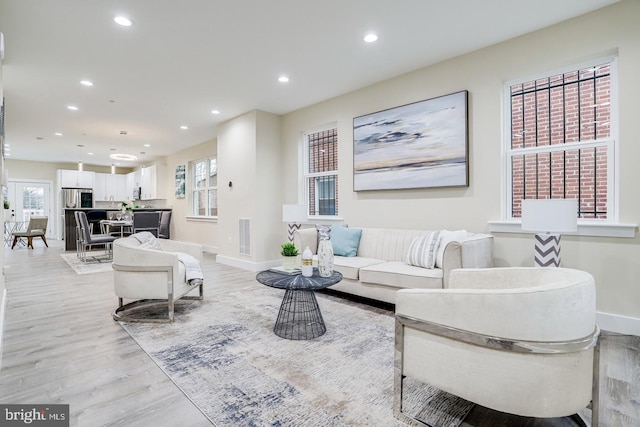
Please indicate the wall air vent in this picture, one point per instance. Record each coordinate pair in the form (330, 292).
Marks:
(245, 236)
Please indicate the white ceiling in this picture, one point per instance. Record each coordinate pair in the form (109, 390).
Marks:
(182, 59)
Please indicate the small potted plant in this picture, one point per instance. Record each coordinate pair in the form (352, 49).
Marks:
(289, 256)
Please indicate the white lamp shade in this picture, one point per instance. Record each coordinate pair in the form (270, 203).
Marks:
(550, 215)
(294, 213)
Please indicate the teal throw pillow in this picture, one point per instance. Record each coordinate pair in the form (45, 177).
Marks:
(345, 240)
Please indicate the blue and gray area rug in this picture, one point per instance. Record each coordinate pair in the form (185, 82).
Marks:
(223, 354)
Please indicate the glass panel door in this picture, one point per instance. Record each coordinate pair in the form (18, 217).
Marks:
(29, 199)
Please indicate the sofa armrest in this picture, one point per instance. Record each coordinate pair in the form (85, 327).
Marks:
(476, 251)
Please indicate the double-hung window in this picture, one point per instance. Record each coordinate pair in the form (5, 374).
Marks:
(560, 140)
(204, 174)
(321, 172)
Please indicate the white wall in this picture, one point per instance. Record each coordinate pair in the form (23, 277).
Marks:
(612, 261)
(249, 159)
(183, 228)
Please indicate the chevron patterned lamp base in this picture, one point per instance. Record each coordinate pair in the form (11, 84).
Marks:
(292, 229)
(547, 250)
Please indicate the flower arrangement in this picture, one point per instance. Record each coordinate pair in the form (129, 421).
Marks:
(126, 206)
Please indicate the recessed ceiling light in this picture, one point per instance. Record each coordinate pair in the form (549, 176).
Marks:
(370, 38)
(72, 107)
(147, 145)
(283, 79)
(91, 154)
(86, 82)
(58, 134)
(215, 112)
(123, 20)
(184, 127)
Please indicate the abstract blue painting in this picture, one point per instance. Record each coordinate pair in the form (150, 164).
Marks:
(419, 145)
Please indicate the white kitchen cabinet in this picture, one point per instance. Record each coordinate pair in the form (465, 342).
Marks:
(132, 182)
(75, 179)
(100, 187)
(108, 185)
(152, 182)
(121, 192)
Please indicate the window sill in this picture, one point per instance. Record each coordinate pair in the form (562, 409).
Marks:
(584, 229)
(202, 218)
(324, 219)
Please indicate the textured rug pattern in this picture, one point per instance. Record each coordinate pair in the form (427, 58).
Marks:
(223, 354)
(99, 264)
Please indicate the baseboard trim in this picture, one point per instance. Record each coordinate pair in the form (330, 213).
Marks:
(619, 324)
(210, 249)
(247, 265)
(3, 305)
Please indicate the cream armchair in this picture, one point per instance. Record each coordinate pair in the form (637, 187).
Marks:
(517, 340)
(151, 276)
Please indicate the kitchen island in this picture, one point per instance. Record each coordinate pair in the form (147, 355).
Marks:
(69, 233)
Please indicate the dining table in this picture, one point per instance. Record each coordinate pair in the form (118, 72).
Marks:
(107, 226)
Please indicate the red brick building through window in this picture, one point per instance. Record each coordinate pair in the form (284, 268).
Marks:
(321, 175)
(561, 140)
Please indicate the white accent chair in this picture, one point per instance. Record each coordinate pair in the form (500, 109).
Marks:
(151, 277)
(518, 340)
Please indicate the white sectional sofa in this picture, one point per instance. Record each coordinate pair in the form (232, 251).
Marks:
(379, 268)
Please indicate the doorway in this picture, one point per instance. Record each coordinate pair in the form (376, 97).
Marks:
(27, 199)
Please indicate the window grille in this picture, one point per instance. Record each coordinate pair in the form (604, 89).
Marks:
(321, 177)
(562, 140)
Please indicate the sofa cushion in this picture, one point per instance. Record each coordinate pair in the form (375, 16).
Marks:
(397, 274)
(423, 250)
(350, 266)
(324, 232)
(345, 240)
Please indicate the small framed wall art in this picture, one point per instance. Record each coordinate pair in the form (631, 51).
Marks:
(180, 181)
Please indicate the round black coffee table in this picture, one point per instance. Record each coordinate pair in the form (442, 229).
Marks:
(299, 317)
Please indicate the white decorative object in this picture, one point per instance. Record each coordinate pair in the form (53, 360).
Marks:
(289, 262)
(549, 218)
(307, 262)
(325, 258)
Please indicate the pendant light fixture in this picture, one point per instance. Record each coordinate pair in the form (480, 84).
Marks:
(122, 156)
(80, 158)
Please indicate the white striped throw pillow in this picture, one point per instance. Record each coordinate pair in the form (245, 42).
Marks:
(423, 250)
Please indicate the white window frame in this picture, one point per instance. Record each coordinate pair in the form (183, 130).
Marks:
(591, 227)
(206, 189)
(306, 175)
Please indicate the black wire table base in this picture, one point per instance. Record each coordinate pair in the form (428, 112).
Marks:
(299, 317)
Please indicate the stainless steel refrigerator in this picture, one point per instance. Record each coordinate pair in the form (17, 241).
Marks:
(74, 198)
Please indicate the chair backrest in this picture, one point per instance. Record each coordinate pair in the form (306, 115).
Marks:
(79, 231)
(165, 224)
(146, 221)
(85, 235)
(38, 224)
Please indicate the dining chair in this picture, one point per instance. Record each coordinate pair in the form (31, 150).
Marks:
(146, 221)
(165, 225)
(86, 239)
(37, 228)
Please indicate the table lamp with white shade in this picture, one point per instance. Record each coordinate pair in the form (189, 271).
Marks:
(294, 215)
(548, 218)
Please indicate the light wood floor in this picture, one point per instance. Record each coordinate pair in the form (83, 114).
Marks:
(62, 346)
